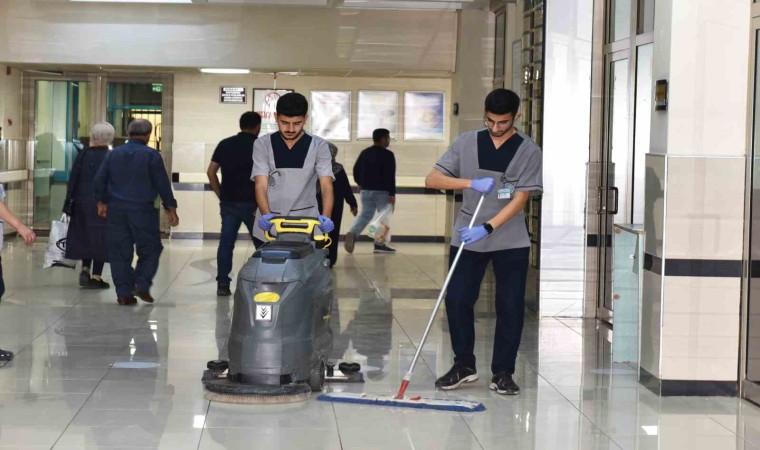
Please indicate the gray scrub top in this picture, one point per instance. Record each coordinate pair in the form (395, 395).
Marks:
(292, 191)
(524, 173)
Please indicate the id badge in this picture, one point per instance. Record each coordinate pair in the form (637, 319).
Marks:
(505, 193)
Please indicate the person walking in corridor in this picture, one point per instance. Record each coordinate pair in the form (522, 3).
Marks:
(505, 166)
(126, 186)
(236, 193)
(29, 237)
(86, 238)
(375, 173)
(343, 194)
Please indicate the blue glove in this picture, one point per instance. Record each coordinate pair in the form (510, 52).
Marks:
(264, 221)
(325, 224)
(483, 185)
(472, 235)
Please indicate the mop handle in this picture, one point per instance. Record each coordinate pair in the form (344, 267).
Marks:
(408, 376)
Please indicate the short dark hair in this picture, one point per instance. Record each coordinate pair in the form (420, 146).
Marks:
(250, 120)
(292, 104)
(502, 101)
(139, 127)
(379, 134)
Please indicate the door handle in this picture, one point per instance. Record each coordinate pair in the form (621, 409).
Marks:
(616, 191)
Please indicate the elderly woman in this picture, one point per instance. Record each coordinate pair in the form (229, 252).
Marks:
(343, 193)
(86, 239)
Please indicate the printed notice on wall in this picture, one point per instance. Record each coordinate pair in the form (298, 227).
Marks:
(232, 94)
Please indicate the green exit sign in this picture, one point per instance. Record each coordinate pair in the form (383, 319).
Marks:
(157, 87)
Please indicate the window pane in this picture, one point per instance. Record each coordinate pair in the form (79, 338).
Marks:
(642, 125)
(619, 151)
(620, 20)
(645, 18)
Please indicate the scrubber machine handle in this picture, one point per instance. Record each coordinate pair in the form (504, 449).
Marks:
(298, 225)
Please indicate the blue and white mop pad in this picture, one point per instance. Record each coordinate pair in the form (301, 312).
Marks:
(406, 402)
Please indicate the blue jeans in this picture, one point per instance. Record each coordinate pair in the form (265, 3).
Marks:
(372, 201)
(510, 269)
(233, 214)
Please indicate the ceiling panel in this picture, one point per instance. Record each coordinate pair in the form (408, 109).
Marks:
(439, 5)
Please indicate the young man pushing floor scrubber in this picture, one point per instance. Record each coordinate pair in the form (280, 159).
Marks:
(287, 165)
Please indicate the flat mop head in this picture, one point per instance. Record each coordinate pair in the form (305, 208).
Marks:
(406, 402)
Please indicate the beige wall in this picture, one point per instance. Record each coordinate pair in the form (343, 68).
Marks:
(201, 121)
(10, 103)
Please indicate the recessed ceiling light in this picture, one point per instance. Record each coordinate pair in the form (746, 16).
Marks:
(134, 1)
(226, 71)
(650, 430)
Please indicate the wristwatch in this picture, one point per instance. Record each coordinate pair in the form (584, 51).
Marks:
(488, 227)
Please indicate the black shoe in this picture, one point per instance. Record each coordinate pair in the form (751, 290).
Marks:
(126, 301)
(457, 375)
(97, 284)
(5, 355)
(84, 278)
(504, 384)
(144, 296)
(223, 291)
(349, 242)
(384, 249)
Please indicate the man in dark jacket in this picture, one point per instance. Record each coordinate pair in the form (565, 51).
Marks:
(126, 187)
(237, 196)
(375, 173)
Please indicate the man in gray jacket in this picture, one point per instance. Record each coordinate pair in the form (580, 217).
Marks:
(504, 165)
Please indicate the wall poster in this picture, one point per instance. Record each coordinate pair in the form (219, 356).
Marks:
(377, 109)
(265, 103)
(423, 116)
(331, 115)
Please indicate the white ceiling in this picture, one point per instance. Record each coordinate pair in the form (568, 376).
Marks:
(438, 5)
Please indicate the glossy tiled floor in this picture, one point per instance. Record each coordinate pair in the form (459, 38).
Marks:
(92, 374)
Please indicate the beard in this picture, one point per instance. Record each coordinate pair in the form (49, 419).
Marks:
(498, 134)
(291, 136)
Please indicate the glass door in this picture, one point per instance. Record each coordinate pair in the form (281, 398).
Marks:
(135, 100)
(61, 127)
(615, 173)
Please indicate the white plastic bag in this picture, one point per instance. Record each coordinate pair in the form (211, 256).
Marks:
(380, 226)
(55, 255)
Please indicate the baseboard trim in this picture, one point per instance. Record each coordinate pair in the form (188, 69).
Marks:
(688, 388)
(206, 236)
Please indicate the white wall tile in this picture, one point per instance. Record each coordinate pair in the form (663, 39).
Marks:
(212, 221)
(190, 218)
(708, 46)
(188, 157)
(705, 208)
(708, 369)
(702, 295)
(650, 336)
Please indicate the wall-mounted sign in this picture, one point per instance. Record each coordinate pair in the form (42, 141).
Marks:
(265, 103)
(233, 94)
(661, 95)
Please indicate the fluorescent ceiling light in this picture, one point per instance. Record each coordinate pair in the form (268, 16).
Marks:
(226, 71)
(650, 430)
(134, 1)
